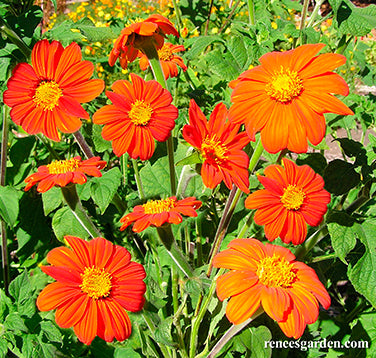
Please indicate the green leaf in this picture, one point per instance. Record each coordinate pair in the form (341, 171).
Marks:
(315, 160)
(100, 144)
(63, 33)
(65, 223)
(125, 353)
(51, 332)
(52, 199)
(95, 34)
(365, 332)
(4, 68)
(194, 158)
(339, 171)
(223, 65)
(6, 305)
(14, 322)
(363, 274)
(238, 51)
(162, 333)
(156, 178)
(103, 189)
(9, 204)
(54, 3)
(3, 347)
(200, 44)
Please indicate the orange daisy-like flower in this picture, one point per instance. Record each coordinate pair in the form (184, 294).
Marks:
(96, 282)
(169, 61)
(267, 275)
(63, 172)
(293, 197)
(158, 212)
(141, 112)
(135, 37)
(46, 96)
(285, 97)
(220, 144)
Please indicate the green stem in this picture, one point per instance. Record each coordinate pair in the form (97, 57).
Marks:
(171, 164)
(302, 22)
(179, 23)
(325, 257)
(229, 17)
(301, 251)
(168, 240)
(3, 166)
(140, 188)
(251, 12)
(14, 38)
(208, 19)
(47, 144)
(315, 12)
(244, 230)
(256, 156)
(74, 203)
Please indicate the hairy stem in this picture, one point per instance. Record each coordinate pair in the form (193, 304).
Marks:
(137, 176)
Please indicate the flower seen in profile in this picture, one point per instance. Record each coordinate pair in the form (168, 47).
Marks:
(140, 35)
(286, 96)
(46, 96)
(63, 172)
(220, 145)
(141, 112)
(158, 212)
(293, 197)
(96, 283)
(268, 275)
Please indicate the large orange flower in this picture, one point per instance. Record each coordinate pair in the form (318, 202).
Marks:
(63, 172)
(158, 212)
(267, 275)
(141, 112)
(293, 197)
(220, 144)
(96, 283)
(138, 35)
(46, 96)
(169, 61)
(285, 97)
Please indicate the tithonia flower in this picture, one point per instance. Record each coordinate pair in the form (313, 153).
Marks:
(46, 96)
(158, 212)
(220, 144)
(169, 61)
(96, 282)
(285, 97)
(63, 172)
(141, 112)
(137, 36)
(267, 275)
(293, 197)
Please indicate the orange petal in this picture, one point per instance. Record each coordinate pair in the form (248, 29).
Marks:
(235, 282)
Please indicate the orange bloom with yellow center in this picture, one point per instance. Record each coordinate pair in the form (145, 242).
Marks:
(135, 37)
(63, 172)
(96, 282)
(158, 212)
(293, 197)
(268, 275)
(220, 144)
(169, 61)
(286, 96)
(46, 96)
(141, 112)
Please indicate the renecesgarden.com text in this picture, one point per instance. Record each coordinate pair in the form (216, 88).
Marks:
(323, 344)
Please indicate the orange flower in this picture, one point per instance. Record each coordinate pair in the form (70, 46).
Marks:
(285, 97)
(96, 282)
(46, 96)
(168, 59)
(141, 112)
(267, 275)
(293, 197)
(138, 35)
(220, 144)
(63, 172)
(158, 212)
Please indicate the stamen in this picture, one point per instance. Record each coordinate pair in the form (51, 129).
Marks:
(63, 166)
(165, 54)
(213, 150)
(141, 113)
(47, 95)
(96, 282)
(159, 206)
(293, 197)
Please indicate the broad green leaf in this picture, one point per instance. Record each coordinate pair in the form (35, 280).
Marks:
(363, 274)
(52, 199)
(315, 160)
(63, 32)
(364, 332)
(103, 189)
(223, 64)
(65, 223)
(3, 347)
(6, 305)
(14, 322)
(9, 206)
(48, 350)
(51, 332)
(199, 45)
(22, 292)
(156, 178)
(96, 34)
(194, 158)
(100, 144)
(163, 333)
(128, 352)
(29, 345)
(4, 68)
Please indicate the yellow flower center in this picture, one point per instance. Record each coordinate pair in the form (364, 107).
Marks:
(47, 95)
(140, 113)
(293, 197)
(275, 271)
(96, 282)
(165, 54)
(213, 150)
(63, 166)
(159, 206)
(284, 85)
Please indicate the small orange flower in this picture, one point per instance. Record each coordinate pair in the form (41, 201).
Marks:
(141, 112)
(63, 172)
(46, 96)
(169, 61)
(96, 282)
(285, 97)
(158, 212)
(293, 197)
(267, 275)
(220, 144)
(138, 35)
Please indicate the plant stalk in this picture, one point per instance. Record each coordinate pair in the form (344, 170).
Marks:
(14, 38)
(83, 144)
(251, 12)
(137, 176)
